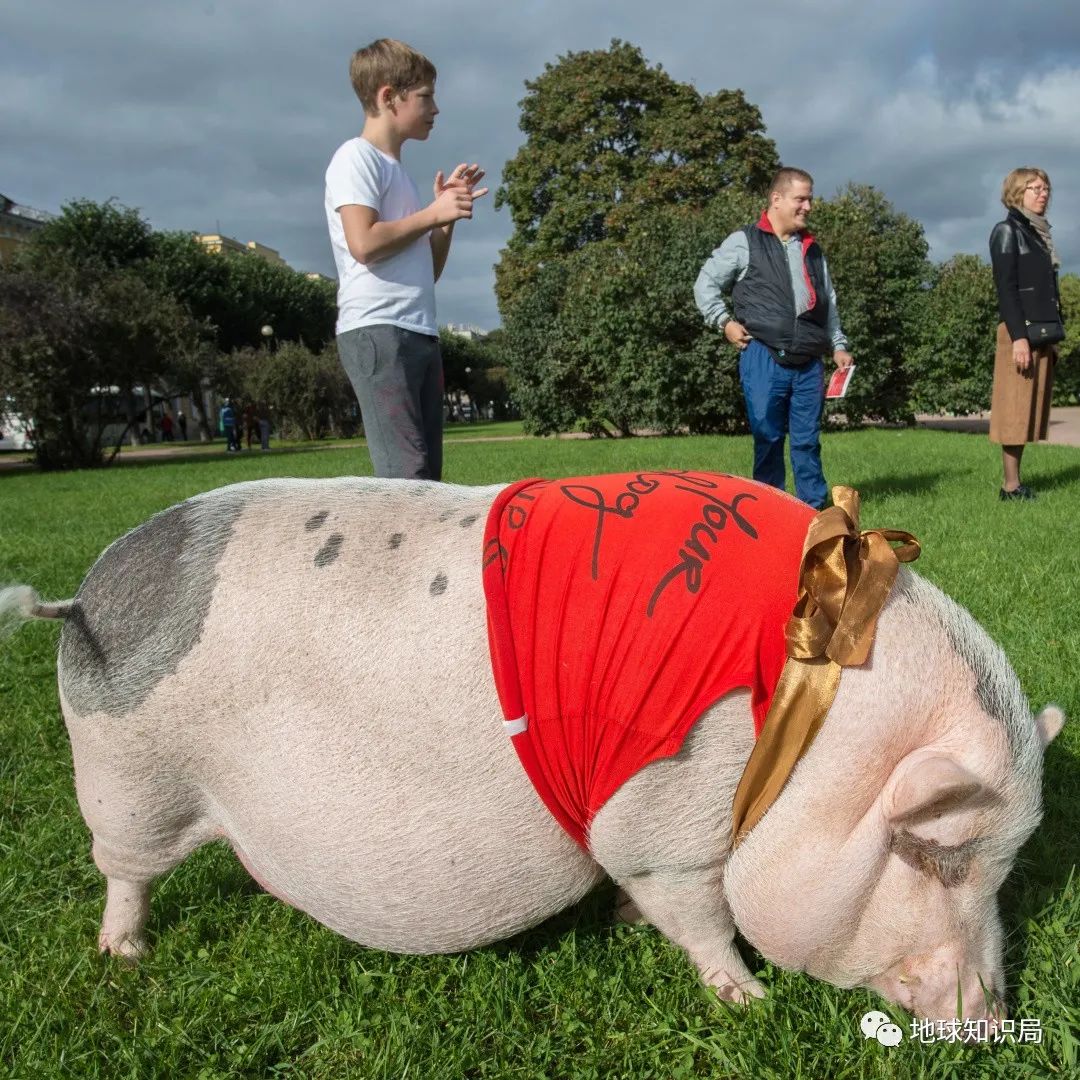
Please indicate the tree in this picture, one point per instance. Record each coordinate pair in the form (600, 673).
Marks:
(621, 344)
(239, 294)
(103, 236)
(308, 392)
(98, 299)
(68, 334)
(1067, 375)
(611, 337)
(549, 375)
(609, 139)
(951, 365)
(474, 366)
(878, 263)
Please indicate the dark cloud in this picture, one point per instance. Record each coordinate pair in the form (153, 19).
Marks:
(223, 115)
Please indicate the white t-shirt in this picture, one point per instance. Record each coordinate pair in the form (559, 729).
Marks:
(399, 289)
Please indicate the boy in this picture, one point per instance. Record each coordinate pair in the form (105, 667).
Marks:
(390, 252)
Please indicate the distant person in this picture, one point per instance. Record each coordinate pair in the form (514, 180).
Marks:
(1025, 266)
(389, 252)
(229, 426)
(784, 321)
(263, 412)
(250, 423)
(166, 428)
(181, 423)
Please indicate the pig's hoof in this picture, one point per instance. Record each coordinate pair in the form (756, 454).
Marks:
(129, 949)
(739, 992)
(626, 911)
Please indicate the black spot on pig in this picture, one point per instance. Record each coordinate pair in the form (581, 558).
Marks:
(316, 520)
(395, 539)
(330, 550)
(142, 606)
(438, 586)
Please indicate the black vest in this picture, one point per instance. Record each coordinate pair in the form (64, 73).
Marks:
(764, 300)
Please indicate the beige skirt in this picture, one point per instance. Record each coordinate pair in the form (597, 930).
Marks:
(1020, 404)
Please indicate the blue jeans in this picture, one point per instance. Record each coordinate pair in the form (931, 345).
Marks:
(784, 401)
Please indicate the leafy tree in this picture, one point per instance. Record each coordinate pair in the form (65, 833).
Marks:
(46, 368)
(70, 332)
(104, 236)
(239, 294)
(611, 337)
(308, 392)
(549, 374)
(951, 365)
(610, 139)
(1067, 376)
(878, 263)
(138, 307)
(474, 366)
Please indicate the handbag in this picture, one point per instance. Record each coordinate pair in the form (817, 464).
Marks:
(1045, 333)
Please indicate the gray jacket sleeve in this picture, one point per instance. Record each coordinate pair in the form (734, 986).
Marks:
(726, 265)
(839, 339)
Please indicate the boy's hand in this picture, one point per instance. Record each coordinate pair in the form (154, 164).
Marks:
(454, 194)
(450, 205)
(465, 177)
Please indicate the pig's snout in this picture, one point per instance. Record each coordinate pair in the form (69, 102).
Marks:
(942, 985)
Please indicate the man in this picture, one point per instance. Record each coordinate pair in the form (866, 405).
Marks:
(785, 320)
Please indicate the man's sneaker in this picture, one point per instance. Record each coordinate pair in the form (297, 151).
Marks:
(1018, 492)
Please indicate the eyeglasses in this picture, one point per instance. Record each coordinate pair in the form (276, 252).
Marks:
(1038, 189)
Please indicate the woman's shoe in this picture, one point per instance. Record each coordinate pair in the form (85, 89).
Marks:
(1018, 492)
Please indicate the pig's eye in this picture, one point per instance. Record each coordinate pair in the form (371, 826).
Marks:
(950, 865)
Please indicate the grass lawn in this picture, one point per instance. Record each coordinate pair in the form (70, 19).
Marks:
(239, 984)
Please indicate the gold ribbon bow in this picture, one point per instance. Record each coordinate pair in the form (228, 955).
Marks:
(844, 580)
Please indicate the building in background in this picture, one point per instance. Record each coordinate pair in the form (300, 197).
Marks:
(17, 224)
(471, 333)
(217, 243)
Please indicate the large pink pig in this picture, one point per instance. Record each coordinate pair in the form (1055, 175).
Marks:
(302, 668)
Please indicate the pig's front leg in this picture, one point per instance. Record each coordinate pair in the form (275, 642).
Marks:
(688, 908)
(127, 906)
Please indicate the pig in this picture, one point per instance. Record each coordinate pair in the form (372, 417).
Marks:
(301, 668)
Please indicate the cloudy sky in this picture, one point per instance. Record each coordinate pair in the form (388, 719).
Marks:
(220, 115)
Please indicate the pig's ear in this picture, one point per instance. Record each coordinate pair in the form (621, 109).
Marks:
(929, 787)
(1049, 722)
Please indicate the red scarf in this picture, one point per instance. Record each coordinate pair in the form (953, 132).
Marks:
(621, 607)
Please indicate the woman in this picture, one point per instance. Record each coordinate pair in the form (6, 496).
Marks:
(1025, 273)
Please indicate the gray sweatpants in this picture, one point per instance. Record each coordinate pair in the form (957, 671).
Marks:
(398, 378)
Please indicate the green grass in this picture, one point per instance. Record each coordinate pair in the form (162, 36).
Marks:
(176, 451)
(241, 985)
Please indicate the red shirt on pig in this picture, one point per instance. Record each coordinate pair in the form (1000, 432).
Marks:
(621, 607)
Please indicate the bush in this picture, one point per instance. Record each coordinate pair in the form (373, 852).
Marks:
(951, 367)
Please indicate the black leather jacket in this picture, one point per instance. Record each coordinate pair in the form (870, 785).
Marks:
(1027, 283)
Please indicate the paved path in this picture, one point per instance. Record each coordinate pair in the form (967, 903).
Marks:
(1064, 431)
(1064, 424)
